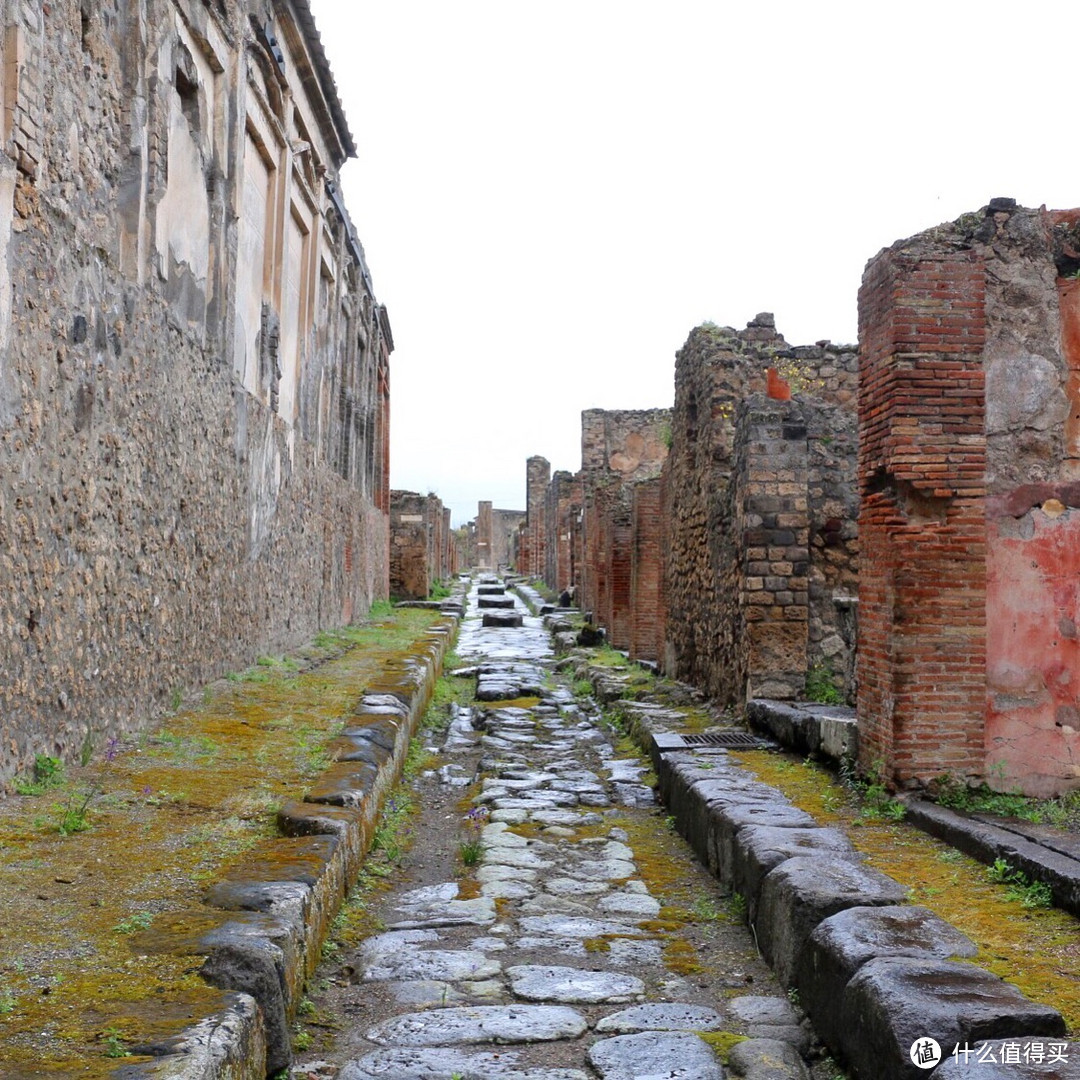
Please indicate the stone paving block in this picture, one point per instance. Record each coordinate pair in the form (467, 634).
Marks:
(767, 1059)
(480, 1024)
(842, 943)
(494, 601)
(661, 1016)
(801, 892)
(654, 1054)
(438, 1063)
(759, 848)
(892, 1002)
(502, 619)
(573, 986)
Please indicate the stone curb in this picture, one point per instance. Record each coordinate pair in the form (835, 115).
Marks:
(806, 727)
(836, 932)
(265, 922)
(988, 842)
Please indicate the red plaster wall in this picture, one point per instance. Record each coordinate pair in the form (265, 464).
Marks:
(1033, 650)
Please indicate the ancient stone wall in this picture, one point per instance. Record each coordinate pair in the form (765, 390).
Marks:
(971, 508)
(194, 375)
(761, 512)
(484, 529)
(422, 546)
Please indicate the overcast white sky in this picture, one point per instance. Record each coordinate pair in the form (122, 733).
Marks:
(551, 195)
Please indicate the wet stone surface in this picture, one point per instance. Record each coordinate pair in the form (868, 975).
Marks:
(560, 955)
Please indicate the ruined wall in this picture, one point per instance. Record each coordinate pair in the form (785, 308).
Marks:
(648, 611)
(194, 375)
(967, 416)
(619, 448)
(504, 530)
(484, 526)
(422, 546)
(562, 514)
(762, 512)
(533, 534)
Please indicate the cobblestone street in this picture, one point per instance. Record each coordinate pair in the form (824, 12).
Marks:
(585, 941)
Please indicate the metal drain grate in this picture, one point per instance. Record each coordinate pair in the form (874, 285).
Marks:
(729, 740)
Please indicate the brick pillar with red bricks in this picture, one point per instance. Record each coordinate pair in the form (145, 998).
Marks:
(922, 463)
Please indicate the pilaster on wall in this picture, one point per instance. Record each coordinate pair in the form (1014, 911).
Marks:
(649, 610)
(772, 535)
(922, 461)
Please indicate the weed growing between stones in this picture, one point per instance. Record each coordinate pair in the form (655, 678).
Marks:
(821, 685)
(953, 792)
(47, 772)
(1031, 894)
(471, 847)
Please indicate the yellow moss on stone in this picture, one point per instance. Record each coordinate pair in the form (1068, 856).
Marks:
(721, 1042)
(681, 957)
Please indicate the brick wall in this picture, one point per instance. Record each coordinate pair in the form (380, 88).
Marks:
(619, 449)
(534, 535)
(164, 518)
(562, 509)
(922, 460)
(647, 536)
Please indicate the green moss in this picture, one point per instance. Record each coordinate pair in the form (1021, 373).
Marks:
(721, 1042)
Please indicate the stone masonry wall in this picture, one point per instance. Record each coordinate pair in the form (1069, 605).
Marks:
(484, 529)
(504, 528)
(762, 531)
(180, 489)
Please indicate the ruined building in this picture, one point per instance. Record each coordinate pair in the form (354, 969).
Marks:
(969, 468)
(761, 512)
(720, 538)
(423, 550)
(194, 383)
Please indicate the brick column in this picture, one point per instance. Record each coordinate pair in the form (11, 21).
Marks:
(646, 571)
(922, 460)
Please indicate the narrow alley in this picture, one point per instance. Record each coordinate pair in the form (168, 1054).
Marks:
(549, 925)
